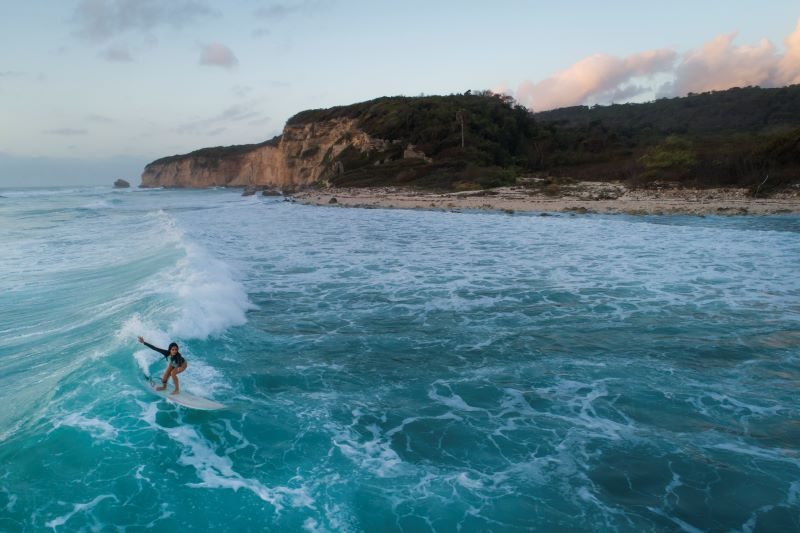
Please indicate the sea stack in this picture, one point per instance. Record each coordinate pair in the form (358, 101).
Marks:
(121, 184)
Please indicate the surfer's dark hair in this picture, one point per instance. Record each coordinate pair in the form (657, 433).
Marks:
(175, 344)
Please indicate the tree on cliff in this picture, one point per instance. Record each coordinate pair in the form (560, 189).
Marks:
(482, 139)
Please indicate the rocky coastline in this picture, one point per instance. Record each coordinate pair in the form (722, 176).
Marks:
(580, 197)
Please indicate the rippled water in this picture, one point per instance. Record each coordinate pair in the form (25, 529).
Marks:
(391, 370)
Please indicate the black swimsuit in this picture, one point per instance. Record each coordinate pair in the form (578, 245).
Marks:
(174, 361)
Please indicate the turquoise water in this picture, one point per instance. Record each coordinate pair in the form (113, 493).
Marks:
(391, 370)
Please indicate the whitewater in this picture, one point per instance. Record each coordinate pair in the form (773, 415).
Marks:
(394, 370)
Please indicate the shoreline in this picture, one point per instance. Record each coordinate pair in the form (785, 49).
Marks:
(582, 197)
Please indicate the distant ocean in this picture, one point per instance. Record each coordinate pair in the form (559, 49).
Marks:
(390, 370)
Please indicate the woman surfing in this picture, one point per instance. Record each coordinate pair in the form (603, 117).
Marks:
(176, 365)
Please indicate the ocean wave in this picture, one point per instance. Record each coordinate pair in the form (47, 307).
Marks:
(201, 296)
(217, 471)
(79, 508)
(53, 191)
(211, 300)
(99, 429)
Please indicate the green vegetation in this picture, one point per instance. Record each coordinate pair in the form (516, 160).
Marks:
(672, 157)
(495, 133)
(726, 138)
(744, 137)
(212, 156)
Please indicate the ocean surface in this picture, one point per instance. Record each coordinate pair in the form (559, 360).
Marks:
(390, 370)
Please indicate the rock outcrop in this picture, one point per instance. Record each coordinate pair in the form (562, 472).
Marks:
(121, 184)
(303, 154)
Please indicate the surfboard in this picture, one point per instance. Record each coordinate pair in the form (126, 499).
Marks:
(185, 399)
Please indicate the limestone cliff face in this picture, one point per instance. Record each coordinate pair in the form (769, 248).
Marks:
(304, 153)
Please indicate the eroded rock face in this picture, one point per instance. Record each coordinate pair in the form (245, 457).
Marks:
(304, 154)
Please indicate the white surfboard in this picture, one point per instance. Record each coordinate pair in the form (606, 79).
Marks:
(185, 399)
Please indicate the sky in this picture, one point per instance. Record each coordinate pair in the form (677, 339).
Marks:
(93, 90)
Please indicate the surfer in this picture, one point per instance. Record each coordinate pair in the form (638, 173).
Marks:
(177, 364)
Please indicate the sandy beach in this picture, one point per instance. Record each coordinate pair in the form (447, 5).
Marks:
(578, 197)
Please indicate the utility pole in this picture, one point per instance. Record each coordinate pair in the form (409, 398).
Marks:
(460, 118)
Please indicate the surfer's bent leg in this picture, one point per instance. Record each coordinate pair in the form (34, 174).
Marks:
(164, 378)
(175, 372)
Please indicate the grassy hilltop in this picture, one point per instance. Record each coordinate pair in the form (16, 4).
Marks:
(736, 137)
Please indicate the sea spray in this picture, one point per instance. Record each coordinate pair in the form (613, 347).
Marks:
(210, 299)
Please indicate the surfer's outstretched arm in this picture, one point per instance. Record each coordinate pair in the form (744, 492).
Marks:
(162, 351)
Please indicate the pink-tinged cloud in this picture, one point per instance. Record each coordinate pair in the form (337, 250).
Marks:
(592, 77)
(721, 64)
(789, 65)
(218, 55)
(718, 64)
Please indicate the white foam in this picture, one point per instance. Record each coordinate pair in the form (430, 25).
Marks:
(770, 454)
(375, 455)
(12, 499)
(79, 508)
(134, 327)
(685, 526)
(99, 204)
(467, 482)
(202, 379)
(454, 401)
(138, 474)
(729, 403)
(56, 191)
(199, 378)
(210, 299)
(99, 429)
(793, 498)
(216, 471)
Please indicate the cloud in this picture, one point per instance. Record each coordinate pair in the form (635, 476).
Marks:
(117, 54)
(279, 10)
(789, 64)
(218, 55)
(276, 11)
(100, 20)
(242, 91)
(259, 121)
(101, 119)
(66, 131)
(718, 64)
(503, 89)
(215, 124)
(622, 94)
(597, 76)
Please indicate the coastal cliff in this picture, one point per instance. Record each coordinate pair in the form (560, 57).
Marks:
(305, 153)
(741, 138)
